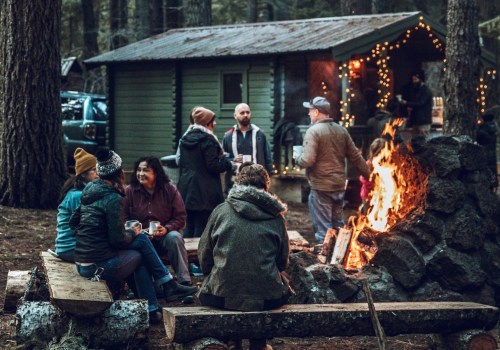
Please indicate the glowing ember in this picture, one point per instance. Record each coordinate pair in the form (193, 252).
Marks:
(399, 187)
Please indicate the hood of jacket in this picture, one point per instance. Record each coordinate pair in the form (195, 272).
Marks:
(194, 136)
(255, 204)
(97, 190)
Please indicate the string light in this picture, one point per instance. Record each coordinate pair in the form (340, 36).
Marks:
(483, 87)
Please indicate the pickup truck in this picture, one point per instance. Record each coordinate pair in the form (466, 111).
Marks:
(85, 123)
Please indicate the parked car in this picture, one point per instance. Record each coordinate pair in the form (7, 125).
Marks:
(85, 122)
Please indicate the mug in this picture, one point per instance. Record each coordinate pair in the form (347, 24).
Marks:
(153, 226)
(133, 225)
(246, 158)
(297, 151)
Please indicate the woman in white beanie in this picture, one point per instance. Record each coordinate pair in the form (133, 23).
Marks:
(69, 200)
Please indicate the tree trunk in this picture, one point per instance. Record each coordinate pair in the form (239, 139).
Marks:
(174, 14)
(252, 11)
(118, 22)
(355, 7)
(17, 282)
(124, 323)
(157, 17)
(462, 68)
(470, 340)
(90, 30)
(198, 13)
(142, 19)
(32, 165)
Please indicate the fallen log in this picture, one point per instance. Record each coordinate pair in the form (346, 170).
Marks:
(17, 282)
(124, 322)
(184, 324)
(470, 340)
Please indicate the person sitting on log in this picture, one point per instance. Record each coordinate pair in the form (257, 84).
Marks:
(105, 249)
(244, 248)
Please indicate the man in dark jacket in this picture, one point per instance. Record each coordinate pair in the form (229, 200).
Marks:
(246, 140)
(201, 162)
(420, 106)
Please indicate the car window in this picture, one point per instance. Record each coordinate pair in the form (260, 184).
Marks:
(100, 110)
(72, 109)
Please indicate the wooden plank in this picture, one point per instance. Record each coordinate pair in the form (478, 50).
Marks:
(184, 324)
(73, 293)
(341, 244)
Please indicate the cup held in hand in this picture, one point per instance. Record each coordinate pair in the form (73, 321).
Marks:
(133, 225)
(153, 226)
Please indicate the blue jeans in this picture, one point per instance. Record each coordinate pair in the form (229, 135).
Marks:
(173, 245)
(195, 222)
(150, 258)
(127, 263)
(325, 210)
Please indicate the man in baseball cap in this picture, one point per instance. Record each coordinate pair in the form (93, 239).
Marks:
(319, 103)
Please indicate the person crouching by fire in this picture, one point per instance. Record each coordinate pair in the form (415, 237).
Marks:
(245, 247)
(326, 146)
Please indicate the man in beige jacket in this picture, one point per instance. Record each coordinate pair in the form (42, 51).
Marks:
(325, 149)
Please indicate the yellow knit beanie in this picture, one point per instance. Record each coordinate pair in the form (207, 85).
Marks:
(83, 161)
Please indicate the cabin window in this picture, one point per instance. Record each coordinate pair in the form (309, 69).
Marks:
(232, 88)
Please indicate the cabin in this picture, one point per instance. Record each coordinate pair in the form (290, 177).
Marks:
(357, 62)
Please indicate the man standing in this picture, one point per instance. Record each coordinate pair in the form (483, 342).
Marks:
(245, 139)
(420, 105)
(325, 148)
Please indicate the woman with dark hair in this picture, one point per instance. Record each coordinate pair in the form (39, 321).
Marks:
(245, 247)
(69, 200)
(104, 247)
(151, 197)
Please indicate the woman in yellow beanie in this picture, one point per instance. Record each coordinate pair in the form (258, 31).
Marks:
(69, 200)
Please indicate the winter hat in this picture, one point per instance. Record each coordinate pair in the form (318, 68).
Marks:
(202, 116)
(108, 164)
(83, 161)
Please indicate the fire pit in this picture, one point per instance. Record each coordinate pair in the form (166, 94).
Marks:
(431, 233)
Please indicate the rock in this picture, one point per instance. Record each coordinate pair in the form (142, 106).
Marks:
(490, 263)
(455, 270)
(432, 291)
(444, 196)
(401, 259)
(424, 230)
(443, 158)
(465, 229)
(472, 156)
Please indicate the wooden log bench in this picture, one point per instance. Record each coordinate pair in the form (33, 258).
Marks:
(83, 307)
(297, 243)
(453, 320)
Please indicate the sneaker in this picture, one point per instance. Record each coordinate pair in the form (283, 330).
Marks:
(155, 317)
(195, 270)
(174, 291)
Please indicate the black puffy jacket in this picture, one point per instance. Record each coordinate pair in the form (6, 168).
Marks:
(100, 232)
(201, 163)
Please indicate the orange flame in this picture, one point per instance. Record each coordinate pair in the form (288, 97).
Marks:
(399, 187)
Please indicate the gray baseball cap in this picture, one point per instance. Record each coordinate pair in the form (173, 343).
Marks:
(320, 103)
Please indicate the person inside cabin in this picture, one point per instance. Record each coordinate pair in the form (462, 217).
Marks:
(244, 249)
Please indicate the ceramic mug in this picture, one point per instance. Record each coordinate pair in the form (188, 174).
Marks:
(153, 226)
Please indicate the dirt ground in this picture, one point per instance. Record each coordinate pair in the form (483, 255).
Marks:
(25, 233)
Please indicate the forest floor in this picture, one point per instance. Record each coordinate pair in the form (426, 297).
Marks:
(25, 233)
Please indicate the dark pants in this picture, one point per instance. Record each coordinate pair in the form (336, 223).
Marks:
(173, 245)
(196, 222)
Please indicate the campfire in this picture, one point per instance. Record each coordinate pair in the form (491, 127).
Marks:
(399, 188)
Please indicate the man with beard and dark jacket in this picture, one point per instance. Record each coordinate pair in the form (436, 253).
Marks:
(419, 106)
(201, 162)
(246, 140)
(245, 247)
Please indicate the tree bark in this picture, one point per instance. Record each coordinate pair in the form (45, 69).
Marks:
(252, 11)
(198, 13)
(462, 68)
(157, 17)
(185, 324)
(32, 165)
(124, 323)
(174, 14)
(90, 29)
(355, 7)
(118, 22)
(142, 19)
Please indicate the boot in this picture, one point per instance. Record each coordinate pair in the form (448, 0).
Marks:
(174, 291)
(155, 317)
